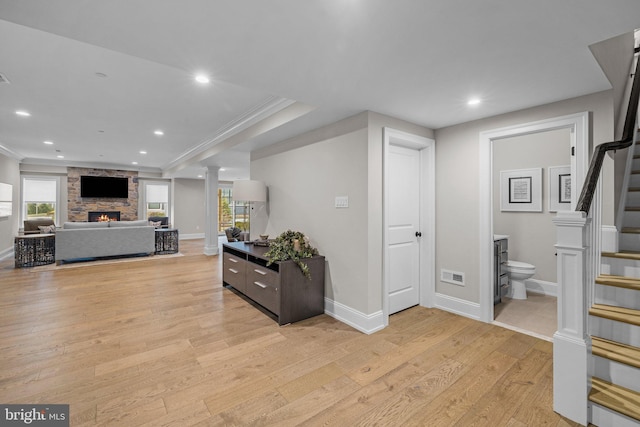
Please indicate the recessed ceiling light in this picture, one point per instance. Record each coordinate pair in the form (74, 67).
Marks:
(201, 78)
(134, 163)
(60, 156)
(473, 101)
(143, 152)
(158, 132)
(199, 176)
(48, 142)
(23, 113)
(222, 169)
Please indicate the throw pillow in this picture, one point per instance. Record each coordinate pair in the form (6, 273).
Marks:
(47, 229)
(156, 224)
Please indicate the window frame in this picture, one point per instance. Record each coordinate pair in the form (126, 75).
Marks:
(23, 202)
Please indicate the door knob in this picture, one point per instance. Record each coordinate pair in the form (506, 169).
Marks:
(418, 234)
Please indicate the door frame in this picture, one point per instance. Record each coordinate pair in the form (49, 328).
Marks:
(427, 147)
(578, 124)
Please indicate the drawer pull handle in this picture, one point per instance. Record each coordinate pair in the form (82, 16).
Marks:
(233, 270)
(260, 272)
(262, 285)
(233, 260)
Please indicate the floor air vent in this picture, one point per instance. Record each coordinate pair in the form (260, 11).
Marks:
(452, 277)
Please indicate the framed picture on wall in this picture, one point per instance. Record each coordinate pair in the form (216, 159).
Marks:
(559, 188)
(521, 190)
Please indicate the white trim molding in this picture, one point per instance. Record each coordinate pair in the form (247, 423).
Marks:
(541, 287)
(365, 323)
(579, 126)
(458, 306)
(6, 254)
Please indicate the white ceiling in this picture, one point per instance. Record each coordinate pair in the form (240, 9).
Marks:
(418, 60)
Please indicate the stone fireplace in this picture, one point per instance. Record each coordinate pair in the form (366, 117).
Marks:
(103, 216)
(79, 208)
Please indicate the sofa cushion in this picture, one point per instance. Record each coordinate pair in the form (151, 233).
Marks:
(76, 225)
(47, 229)
(137, 223)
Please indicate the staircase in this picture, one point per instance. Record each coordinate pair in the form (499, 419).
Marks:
(614, 322)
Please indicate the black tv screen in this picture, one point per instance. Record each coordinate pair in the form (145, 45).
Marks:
(104, 186)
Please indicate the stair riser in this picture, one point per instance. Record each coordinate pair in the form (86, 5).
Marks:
(604, 417)
(629, 242)
(615, 372)
(631, 219)
(633, 198)
(634, 180)
(620, 267)
(615, 331)
(621, 297)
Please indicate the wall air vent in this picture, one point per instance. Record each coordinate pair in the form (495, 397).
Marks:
(453, 277)
(4, 79)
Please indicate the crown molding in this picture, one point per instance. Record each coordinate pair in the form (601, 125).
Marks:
(91, 165)
(268, 107)
(10, 153)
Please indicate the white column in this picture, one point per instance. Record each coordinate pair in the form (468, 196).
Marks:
(570, 342)
(211, 211)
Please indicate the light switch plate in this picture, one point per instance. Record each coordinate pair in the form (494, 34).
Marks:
(342, 201)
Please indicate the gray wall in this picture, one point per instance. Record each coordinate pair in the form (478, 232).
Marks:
(10, 174)
(532, 235)
(188, 206)
(457, 171)
(306, 173)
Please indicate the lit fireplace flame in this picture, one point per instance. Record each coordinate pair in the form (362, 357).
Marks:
(104, 218)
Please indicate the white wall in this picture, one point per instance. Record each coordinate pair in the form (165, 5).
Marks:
(188, 207)
(532, 235)
(10, 174)
(457, 162)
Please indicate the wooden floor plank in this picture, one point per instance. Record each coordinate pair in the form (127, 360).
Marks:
(161, 342)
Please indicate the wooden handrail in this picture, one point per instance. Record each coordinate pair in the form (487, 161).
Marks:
(591, 180)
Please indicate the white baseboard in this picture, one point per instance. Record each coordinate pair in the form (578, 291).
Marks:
(6, 254)
(458, 306)
(609, 238)
(541, 287)
(191, 236)
(366, 323)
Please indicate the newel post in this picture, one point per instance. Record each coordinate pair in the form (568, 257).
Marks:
(570, 342)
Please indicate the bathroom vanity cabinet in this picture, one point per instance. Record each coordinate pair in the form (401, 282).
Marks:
(500, 259)
(281, 288)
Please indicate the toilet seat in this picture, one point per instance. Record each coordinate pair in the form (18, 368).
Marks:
(516, 266)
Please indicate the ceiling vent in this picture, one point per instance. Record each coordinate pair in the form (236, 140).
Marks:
(4, 79)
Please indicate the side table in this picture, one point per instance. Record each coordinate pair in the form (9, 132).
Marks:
(35, 249)
(166, 241)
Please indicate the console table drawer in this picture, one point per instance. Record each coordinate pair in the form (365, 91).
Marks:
(262, 287)
(234, 271)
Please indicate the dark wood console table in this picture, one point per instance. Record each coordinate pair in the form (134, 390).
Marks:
(31, 250)
(167, 241)
(281, 288)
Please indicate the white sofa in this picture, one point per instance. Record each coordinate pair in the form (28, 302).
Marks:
(80, 240)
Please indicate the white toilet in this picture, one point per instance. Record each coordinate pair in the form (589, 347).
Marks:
(518, 272)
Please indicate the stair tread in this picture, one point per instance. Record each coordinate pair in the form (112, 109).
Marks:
(622, 254)
(619, 281)
(619, 399)
(616, 351)
(631, 230)
(620, 314)
(632, 208)
(634, 189)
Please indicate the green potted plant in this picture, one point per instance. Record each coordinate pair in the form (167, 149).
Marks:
(292, 245)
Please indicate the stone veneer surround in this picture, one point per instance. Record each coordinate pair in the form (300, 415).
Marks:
(79, 207)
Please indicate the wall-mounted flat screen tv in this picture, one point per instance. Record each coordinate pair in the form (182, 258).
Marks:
(104, 186)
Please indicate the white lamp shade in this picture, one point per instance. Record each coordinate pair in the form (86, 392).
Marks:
(249, 191)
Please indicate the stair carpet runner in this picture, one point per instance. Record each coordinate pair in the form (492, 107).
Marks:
(614, 322)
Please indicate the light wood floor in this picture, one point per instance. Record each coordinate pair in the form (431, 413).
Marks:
(160, 342)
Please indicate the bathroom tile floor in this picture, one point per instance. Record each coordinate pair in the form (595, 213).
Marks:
(536, 315)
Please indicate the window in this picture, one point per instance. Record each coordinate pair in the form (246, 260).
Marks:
(230, 213)
(40, 197)
(157, 199)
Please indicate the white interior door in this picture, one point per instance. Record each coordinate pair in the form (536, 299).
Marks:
(403, 227)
